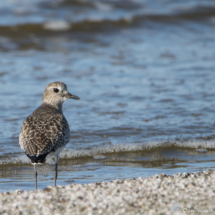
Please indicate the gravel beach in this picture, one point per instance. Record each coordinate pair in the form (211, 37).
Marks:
(192, 193)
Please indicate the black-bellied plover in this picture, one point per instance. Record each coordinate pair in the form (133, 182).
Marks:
(46, 132)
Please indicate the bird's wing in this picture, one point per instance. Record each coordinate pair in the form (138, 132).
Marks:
(43, 136)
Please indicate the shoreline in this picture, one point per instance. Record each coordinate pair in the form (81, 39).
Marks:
(160, 194)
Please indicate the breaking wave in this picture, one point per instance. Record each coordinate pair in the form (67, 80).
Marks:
(199, 145)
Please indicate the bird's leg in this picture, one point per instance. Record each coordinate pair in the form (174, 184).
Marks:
(55, 176)
(35, 176)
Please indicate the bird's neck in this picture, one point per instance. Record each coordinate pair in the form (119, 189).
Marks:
(57, 105)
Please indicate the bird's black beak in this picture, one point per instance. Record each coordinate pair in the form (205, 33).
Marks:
(70, 96)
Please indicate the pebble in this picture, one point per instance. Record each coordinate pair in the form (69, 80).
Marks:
(159, 194)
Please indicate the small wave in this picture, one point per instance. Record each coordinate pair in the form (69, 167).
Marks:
(132, 147)
(70, 153)
(106, 23)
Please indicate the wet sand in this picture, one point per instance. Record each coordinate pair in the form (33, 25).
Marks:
(160, 194)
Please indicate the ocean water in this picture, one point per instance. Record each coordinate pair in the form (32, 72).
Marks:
(144, 71)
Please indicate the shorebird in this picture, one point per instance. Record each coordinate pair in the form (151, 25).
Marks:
(46, 131)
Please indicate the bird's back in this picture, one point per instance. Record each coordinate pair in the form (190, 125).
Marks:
(43, 132)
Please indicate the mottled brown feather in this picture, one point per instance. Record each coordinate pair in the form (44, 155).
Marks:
(44, 131)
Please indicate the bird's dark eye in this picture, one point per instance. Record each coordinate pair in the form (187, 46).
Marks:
(56, 90)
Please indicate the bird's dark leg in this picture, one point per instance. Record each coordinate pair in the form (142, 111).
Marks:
(35, 176)
(55, 176)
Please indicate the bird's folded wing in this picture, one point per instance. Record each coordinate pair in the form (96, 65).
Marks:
(41, 136)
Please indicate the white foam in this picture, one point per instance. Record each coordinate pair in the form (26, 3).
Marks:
(21, 159)
(132, 147)
(57, 25)
(103, 7)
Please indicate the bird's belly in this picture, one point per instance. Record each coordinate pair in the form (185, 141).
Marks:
(57, 152)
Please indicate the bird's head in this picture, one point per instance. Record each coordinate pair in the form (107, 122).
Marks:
(56, 94)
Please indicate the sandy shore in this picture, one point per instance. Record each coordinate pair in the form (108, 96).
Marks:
(192, 193)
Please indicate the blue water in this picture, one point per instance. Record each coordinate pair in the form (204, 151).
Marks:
(144, 71)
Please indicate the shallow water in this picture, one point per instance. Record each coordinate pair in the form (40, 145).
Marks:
(144, 71)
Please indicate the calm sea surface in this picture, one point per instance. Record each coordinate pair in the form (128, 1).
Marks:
(145, 73)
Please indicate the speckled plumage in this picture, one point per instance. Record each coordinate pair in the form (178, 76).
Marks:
(43, 132)
(46, 131)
